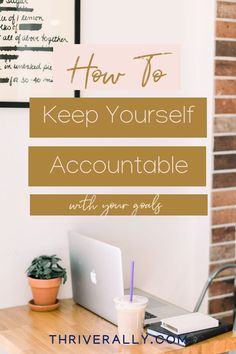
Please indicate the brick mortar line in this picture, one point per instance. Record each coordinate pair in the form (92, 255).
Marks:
(224, 134)
(223, 225)
(220, 57)
(225, 39)
(227, 189)
(223, 279)
(234, 1)
(224, 207)
(221, 135)
(222, 98)
(226, 97)
(228, 260)
(219, 172)
(219, 297)
(225, 243)
(225, 78)
(227, 152)
(222, 261)
(225, 19)
(226, 1)
(225, 115)
(225, 313)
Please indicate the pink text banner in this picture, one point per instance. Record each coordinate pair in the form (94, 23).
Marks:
(82, 67)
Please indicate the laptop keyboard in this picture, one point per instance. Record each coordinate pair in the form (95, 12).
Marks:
(149, 315)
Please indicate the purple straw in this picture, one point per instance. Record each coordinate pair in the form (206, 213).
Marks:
(131, 293)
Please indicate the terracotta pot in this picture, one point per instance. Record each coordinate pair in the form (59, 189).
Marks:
(45, 291)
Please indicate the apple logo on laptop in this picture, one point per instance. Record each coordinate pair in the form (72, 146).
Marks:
(93, 277)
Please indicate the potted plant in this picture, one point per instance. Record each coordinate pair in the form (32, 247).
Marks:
(45, 276)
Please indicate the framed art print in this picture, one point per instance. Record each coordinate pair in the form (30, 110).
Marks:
(29, 31)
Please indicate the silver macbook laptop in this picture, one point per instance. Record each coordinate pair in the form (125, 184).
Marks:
(97, 278)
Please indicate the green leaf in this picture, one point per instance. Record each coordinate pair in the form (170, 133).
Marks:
(46, 267)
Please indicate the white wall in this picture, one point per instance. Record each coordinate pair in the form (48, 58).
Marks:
(171, 253)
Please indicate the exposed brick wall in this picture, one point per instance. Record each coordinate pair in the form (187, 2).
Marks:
(223, 251)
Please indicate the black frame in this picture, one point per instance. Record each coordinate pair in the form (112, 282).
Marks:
(6, 104)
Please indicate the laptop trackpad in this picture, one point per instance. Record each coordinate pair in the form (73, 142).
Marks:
(165, 311)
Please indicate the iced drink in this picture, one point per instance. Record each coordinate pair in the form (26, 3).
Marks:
(130, 318)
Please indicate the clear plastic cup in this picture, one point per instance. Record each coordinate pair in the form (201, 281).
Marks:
(130, 318)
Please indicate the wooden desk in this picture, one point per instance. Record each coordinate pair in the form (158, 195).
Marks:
(25, 331)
